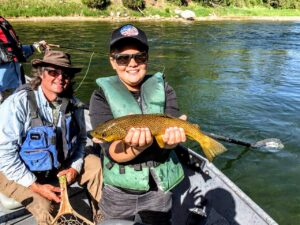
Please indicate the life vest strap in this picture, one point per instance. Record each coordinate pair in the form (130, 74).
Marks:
(34, 113)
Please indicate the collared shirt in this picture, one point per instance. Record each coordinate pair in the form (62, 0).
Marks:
(15, 122)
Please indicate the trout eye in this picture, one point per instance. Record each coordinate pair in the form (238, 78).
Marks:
(104, 134)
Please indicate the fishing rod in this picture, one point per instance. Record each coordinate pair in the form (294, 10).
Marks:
(269, 143)
(78, 49)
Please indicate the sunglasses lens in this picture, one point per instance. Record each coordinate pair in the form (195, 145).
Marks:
(140, 58)
(55, 73)
(124, 59)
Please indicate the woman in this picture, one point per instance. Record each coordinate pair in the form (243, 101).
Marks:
(135, 183)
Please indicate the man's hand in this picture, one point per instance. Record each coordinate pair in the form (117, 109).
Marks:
(40, 46)
(48, 191)
(70, 173)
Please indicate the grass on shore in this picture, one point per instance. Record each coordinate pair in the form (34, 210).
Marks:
(45, 8)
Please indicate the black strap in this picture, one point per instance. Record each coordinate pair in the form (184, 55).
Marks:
(137, 167)
(63, 109)
(34, 113)
(140, 166)
(109, 165)
(121, 169)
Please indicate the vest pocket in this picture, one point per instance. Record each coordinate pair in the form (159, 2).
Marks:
(38, 151)
(37, 139)
(37, 160)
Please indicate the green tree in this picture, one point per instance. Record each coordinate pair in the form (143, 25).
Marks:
(98, 4)
(134, 4)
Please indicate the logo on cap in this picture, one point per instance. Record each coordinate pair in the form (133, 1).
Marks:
(129, 31)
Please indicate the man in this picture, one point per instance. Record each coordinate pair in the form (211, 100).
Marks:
(12, 54)
(138, 175)
(43, 135)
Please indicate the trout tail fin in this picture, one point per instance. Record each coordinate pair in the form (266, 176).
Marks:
(210, 147)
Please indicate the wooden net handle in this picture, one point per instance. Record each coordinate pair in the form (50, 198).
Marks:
(65, 206)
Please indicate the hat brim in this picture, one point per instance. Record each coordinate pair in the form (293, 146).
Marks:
(39, 62)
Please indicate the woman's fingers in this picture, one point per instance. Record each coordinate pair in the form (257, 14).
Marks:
(145, 137)
(174, 135)
(148, 135)
(136, 137)
(182, 135)
(139, 137)
(142, 137)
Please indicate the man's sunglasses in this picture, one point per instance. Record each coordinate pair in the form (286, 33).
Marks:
(56, 72)
(124, 59)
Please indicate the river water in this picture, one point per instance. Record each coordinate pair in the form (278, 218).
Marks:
(238, 79)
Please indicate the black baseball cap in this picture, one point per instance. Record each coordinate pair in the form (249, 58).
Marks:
(129, 31)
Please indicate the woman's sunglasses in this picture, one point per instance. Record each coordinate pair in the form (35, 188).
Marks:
(56, 72)
(124, 59)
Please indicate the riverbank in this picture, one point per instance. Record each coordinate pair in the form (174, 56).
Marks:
(45, 10)
(154, 18)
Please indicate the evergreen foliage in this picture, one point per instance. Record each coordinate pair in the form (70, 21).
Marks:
(134, 4)
(179, 2)
(98, 4)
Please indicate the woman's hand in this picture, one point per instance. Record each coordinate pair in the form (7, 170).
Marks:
(135, 142)
(174, 135)
(139, 138)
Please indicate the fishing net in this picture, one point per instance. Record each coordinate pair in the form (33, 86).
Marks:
(70, 219)
(269, 145)
(66, 214)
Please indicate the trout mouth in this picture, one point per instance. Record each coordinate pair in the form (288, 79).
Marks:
(93, 134)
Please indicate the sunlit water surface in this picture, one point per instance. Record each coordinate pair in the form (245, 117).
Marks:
(238, 79)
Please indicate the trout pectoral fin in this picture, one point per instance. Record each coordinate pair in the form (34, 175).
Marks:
(159, 140)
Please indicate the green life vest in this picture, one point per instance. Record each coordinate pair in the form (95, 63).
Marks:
(167, 174)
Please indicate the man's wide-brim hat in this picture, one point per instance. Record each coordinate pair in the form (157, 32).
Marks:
(57, 59)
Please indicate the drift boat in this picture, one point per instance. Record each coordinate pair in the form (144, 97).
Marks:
(206, 196)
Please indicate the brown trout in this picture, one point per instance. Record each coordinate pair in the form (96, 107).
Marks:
(117, 129)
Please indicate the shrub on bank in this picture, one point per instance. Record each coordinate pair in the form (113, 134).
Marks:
(134, 4)
(179, 2)
(98, 4)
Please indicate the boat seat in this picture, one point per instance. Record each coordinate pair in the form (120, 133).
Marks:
(9, 203)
